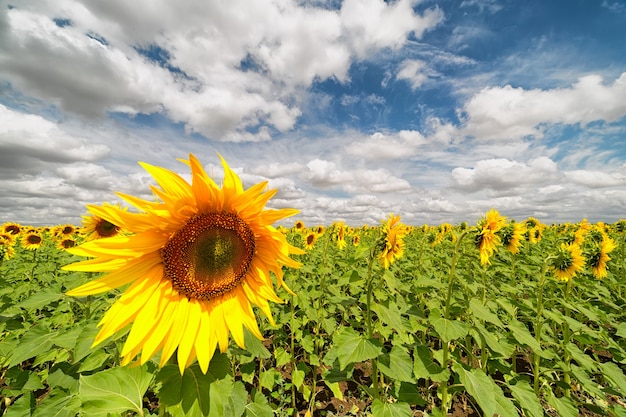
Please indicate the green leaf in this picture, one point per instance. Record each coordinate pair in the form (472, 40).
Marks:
(409, 393)
(38, 339)
(621, 330)
(425, 367)
(22, 407)
(39, 299)
(397, 364)
(352, 347)
(449, 330)
(197, 394)
(255, 346)
(564, 406)
(484, 313)
(380, 409)
(500, 346)
(526, 398)
(586, 383)
(614, 374)
(523, 336)
(485, 391)
(114, 391)
(58, 404)
(259, 408)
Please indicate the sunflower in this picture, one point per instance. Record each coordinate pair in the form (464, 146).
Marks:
(598, 257)
(487, 239)
(512, 236)
(11, 228)
(393, 233)
(299, 226)
(356, 240)
(95, 227)
(198, 259)
(32, 240)
(309, 240)
(64, 230)
(340, 231)
(320, 230)
(65, 243)
(7, 247)
(567, 262)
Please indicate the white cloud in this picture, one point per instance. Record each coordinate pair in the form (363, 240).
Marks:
(505, 113)
(413, 70)
(505, 175)
(93, 65)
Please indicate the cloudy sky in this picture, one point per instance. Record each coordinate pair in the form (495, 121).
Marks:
(435, 110)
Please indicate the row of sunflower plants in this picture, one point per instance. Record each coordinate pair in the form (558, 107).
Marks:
(132, 313)
(389, 320)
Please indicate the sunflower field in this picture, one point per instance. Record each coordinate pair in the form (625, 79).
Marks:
(493, 318)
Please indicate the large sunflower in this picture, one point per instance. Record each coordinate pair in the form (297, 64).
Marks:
(197, 261)
(567, 262)
(487, 239)
(393, 233)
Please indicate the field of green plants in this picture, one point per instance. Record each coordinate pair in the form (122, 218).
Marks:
(438, 333)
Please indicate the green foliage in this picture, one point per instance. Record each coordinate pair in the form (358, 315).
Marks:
(507, 338)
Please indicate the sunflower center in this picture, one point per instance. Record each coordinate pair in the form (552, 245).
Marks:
(209, 255)
(106, 229)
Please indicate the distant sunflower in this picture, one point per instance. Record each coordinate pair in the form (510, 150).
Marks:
(356, 240)
(598, 257)
(65, 243)
(512, 236)
(11, 228)
(32, 240)
(340, 230)
(320, 230)
(309, 240)
(7, 248)
(393, 233)
(299, 226)
(64, 230)
(95, 227)
(487, 239)
(567, 262)
(198, 260)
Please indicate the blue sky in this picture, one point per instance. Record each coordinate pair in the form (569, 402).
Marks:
(434, 110)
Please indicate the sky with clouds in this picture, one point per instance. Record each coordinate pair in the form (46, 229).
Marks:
(434, 110)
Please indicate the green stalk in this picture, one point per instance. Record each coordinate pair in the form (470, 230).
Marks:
(446, 315)
(539, 324)
(567, 357)
(368, 322)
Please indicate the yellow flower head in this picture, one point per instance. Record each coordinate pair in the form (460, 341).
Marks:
(197, 260)
(66, 243)
(299, 226)
(567, 262)
(393, 233)
(11, 228)
(487, 239)
(340, 234)
(309, 240)
(32, 240)
(95, 227)
(512, 236)
(598, 256)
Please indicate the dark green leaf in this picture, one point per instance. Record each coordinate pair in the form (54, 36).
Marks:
(114, 390)
(352, 347)
(485, 391)
(380, 409)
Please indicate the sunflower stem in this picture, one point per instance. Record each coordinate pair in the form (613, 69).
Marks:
(368, 321)
(566, 339)
(539, 324)
(445, 401)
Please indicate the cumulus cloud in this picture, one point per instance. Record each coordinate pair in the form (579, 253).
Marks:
(325, 174)
(505, 113)
(231, 73)
(504, 174)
